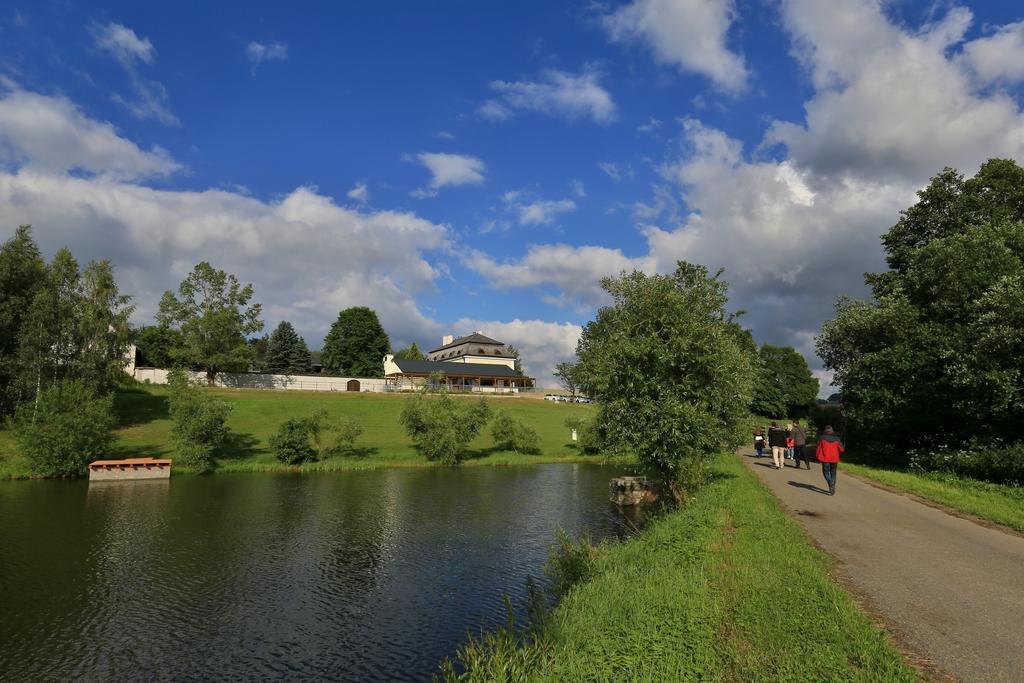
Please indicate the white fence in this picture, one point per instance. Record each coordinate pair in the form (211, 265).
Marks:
(248, 380)
(251, 380)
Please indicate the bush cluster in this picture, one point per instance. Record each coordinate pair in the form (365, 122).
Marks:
(999, 464)
(308, 439)
(510, 434)
(588, 434)
(199, 421)
(442, 428)
(67, 428)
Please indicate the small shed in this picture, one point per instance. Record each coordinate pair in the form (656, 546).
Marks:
(129, 468)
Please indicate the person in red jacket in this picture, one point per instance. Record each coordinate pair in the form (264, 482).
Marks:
(829, 448)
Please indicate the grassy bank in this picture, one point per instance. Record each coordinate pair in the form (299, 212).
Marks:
(727, 589)
(993, 502)
(145, 425)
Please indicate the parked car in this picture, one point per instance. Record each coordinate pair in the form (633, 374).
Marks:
(551, 397)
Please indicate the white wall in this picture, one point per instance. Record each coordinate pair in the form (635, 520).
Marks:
(261, 381)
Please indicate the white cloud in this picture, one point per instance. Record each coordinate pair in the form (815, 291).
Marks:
(577, 188)
(543, 212)
(615, 171)
(449, 170)
(891, 108)
(257, 53)
(123, 44)
(359, 193)
(558, 93)
(306, 255)
(690, 34)
(651, 126)
(444, 135)
(574, 272)
(541, 344)
(150, 97)
(999, 56)
(50, 134)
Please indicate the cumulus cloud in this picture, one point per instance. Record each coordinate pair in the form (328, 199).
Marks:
(257, 53)
(891, 107)
(360, 193)
(558, 93)
(543, 212)
(123, 44)
(999, 56)
(570, 275)
(449, 170)
(50, 134)
(690, 34)
(577, 188)
(306, 255)
(541, 344)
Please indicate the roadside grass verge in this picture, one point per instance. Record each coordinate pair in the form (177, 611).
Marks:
(994, 502)
(145, 430)
(726, 589)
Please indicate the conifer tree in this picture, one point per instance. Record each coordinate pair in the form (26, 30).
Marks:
(287, 353)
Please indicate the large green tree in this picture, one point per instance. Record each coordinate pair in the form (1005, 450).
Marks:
(75, 328)
(411, 352)
(786, 385)
(671, 374)
(356, 344)
(287, 353)
(214, 314)
(157, 346)
(568, 376)
(936, 357)
(22, 273)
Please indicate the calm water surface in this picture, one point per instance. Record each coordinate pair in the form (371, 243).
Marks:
(357, 576)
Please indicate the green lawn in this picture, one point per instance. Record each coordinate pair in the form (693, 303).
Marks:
(994, 502)
(727, 589)
(145, 430)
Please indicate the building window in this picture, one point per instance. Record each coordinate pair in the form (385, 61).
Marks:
(481, 351)
(497, 353)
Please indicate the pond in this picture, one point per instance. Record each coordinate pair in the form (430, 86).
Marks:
(360, 576)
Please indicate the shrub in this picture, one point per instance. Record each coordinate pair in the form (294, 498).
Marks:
(291, 443)
(440, 427)
(997, 463)
(511, 434)
(588, 434)
(346, 430)
(68, 427)
(569, 563)
(199, 421)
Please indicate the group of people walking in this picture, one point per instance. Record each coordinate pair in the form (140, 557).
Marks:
(790, 442)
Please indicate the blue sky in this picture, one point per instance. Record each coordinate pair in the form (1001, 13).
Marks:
(481, 166)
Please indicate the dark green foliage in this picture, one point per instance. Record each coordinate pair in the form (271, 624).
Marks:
(786, 386)
(411, 352)
(199, 422)
(514, 352)
(356, 345)
(22, 273)
(286, 351)
(213, 313)
(258, 347)
(588, 434)
(995, 463)
(673, 380)
(291, 442)
(935, 359)
(569, 563)
(567, 375)
(510, 434)
(441, 427)
(824, 415)
(157, 346)
(66, 428)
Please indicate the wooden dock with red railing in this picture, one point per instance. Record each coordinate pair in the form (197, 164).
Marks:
(129, 468)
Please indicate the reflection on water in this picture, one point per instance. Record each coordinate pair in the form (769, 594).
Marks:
(349, 576)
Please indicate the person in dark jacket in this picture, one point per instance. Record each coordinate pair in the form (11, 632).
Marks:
(777, 440)
(829, 449)
(799, 436)
(759, 442)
